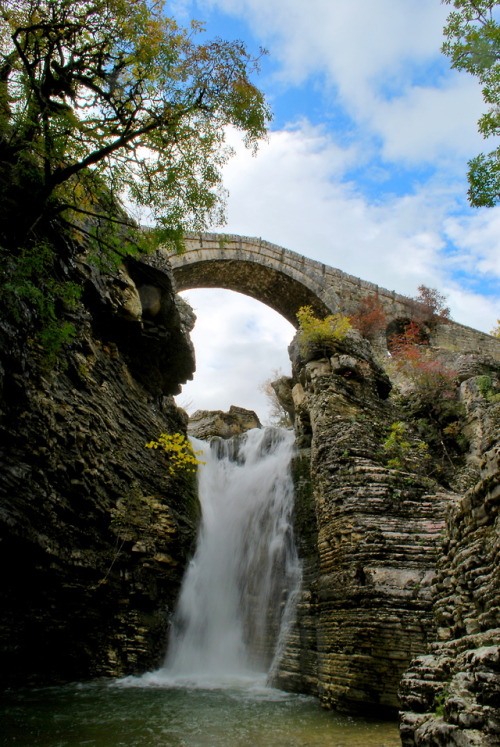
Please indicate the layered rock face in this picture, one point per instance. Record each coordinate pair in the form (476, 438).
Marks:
(370, 558)
(94, 536)
(451, 696)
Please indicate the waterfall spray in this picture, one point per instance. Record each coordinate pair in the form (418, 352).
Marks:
(239, 591)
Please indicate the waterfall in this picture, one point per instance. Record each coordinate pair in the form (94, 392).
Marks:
(239, 590)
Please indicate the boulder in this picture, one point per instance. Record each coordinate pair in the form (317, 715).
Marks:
(205, 424)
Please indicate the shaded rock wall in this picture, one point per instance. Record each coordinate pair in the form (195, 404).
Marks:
(94, 537)
(368, 539)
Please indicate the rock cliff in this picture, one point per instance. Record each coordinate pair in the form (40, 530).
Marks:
(451, 696)
(94, 536)
(400, 555)
(370, 536)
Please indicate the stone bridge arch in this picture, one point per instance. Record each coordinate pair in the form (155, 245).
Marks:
(277, 277)
(285, 281)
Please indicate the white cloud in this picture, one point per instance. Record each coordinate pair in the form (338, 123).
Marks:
(381, 63)
(239, 342)
(292, 194)
(430, 123)
(374, 56)
(478, 238)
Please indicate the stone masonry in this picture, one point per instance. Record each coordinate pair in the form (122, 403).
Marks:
(285, 281)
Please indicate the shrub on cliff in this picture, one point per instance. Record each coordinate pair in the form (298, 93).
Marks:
(402, 452)
(320, 334)
(370, 317)
(181, 456)
(431, 399)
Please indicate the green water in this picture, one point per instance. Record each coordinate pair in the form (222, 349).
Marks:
(139, 714)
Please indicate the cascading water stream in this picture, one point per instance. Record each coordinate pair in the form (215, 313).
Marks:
(239, 591)
(235, 608)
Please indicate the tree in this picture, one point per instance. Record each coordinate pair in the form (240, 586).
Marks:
(473, 44)
(496, 330)
(277, 414)
(370, 317)
(429, 306)
(113, 97)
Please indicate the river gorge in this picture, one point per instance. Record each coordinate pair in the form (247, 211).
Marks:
(234, 613)
(385, 603)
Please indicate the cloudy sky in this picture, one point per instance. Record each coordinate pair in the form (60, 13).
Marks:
(364, 170)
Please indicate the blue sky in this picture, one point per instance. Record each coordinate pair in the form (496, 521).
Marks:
(364, 169)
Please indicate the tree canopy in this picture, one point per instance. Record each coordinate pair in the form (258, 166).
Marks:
(114, 94)
(473, 44)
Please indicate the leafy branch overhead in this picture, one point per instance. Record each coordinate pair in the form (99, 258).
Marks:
(472, 42)
(114, 93)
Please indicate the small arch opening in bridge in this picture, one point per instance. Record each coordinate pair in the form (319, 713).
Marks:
(399, 326)
(239, 344)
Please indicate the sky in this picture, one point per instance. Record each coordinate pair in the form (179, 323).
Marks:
(364, 169)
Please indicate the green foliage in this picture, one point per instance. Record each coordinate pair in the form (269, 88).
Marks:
(431, 404)
(101, 101)
(487, 388)
(31, 277)
(440, 702)
(472, 42)
(402, 452)
(180, 454)
(315, 333)
(496, 330)
(114, 92)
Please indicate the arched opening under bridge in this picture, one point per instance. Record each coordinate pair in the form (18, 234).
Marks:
(239, 344)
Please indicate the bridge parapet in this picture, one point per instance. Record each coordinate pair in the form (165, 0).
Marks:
(286, 280)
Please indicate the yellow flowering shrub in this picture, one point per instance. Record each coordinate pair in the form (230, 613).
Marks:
(314, 332)
(181, 455)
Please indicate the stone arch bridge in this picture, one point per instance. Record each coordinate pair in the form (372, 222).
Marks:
(285, 281)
